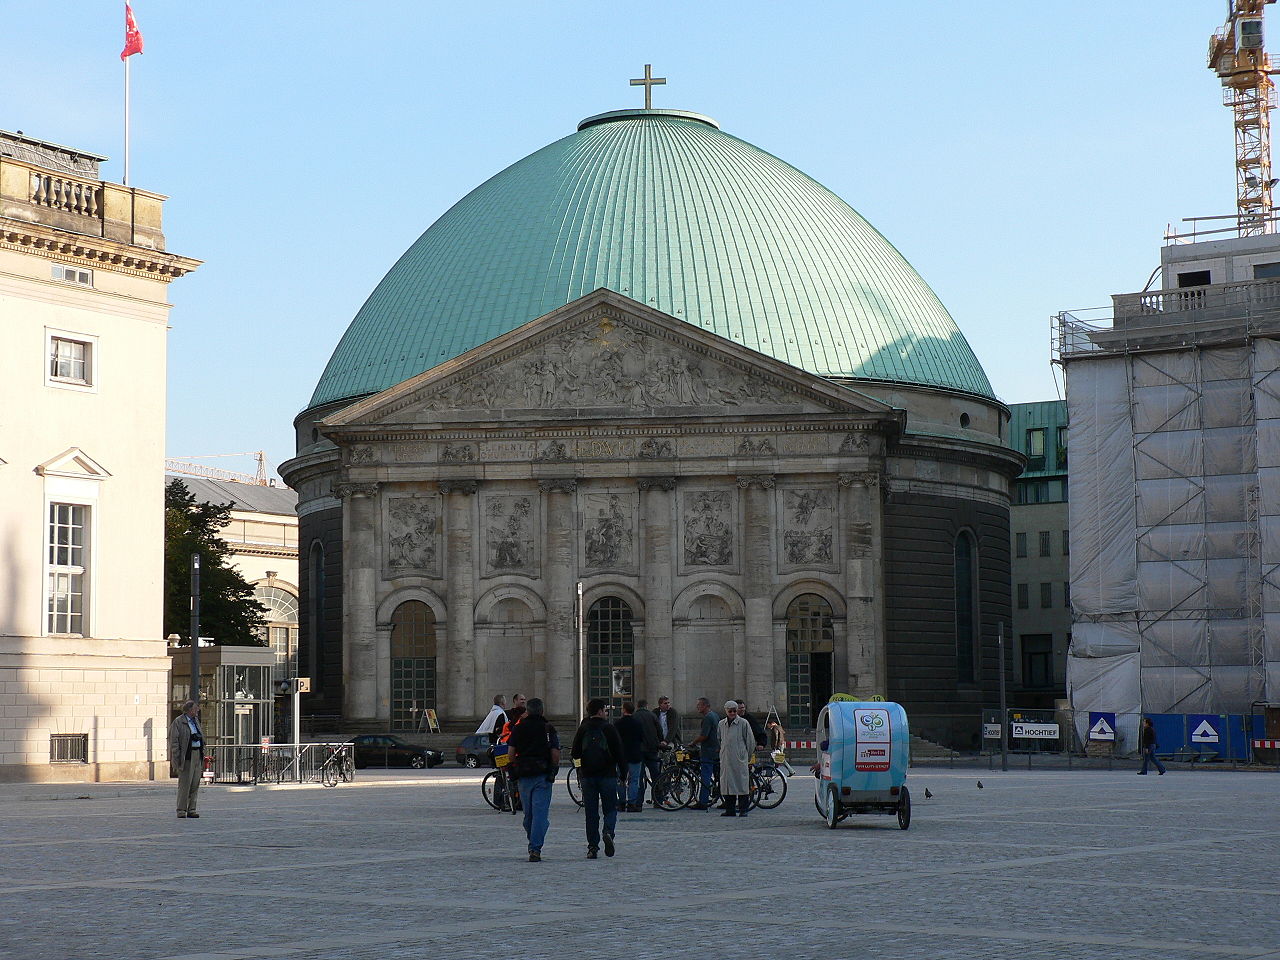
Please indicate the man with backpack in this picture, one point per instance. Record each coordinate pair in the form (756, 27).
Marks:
(536, 746)
(597, 753)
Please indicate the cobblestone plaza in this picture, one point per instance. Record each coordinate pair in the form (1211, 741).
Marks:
(1042, 864)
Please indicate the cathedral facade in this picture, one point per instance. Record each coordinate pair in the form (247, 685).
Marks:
(635, 491)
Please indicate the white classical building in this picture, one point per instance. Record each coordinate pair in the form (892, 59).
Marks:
(83, 307)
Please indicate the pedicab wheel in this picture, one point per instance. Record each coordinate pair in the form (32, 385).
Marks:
(904, 808)
(491, 787)
(832, 813)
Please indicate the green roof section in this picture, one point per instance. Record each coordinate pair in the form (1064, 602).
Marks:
(665, 208)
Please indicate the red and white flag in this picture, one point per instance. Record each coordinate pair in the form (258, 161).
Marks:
(132, 35)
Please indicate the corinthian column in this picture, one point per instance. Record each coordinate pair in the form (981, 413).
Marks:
(559, 573)
(459, 667)
(755, 667)
(656, 563)
(864, 596)
(359, 601)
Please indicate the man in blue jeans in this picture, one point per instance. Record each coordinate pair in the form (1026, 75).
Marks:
(597, 753)
(708, 743)
(536, 747)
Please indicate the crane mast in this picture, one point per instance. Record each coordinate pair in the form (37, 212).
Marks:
(1237, 55)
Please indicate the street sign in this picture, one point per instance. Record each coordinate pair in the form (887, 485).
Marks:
(1035, 731)
(304, 684)
(1102, 726)
(991, 731)
(1203, 727)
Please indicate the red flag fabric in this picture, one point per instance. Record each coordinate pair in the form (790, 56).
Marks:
(132, 35)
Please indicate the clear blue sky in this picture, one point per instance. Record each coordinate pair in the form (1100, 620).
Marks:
(1024, 157)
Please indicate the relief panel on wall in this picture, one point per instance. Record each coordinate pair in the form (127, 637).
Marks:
(807, 528)
(509, 532)
(608, 531)
(412, 541)
(708, 530)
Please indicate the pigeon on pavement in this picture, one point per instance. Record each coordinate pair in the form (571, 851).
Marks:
(927, 794)
(979, 784)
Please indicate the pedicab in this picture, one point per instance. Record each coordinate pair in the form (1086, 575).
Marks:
(863, 752)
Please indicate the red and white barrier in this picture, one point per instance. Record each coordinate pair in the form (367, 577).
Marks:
(1266, 744)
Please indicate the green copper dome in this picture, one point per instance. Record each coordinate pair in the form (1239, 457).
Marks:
(665, 208)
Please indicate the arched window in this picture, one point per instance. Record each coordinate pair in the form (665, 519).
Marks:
(810, 645)
(610, 651)
(309, 659)
(280, 632)
(413, 663)
(966, 605)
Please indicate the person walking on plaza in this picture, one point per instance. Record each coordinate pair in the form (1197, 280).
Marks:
(649, 752)
(737, 744)
(631, 735)
(536, 746)
(186, 757)
(668, 722)
(1149, 746)
(708, 743)
(598, 751)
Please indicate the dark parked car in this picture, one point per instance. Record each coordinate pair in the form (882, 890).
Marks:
(386, 750)
(474, 751)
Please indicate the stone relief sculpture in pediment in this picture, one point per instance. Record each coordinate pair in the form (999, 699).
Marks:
(608, 528)
(707, 523)
(607, 363)
(808, 528)
(509, 534)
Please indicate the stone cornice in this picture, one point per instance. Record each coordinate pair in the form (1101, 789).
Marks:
(264, 550)
(99, 253)
(459, 486)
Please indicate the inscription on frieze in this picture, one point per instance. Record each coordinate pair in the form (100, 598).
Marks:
(414, 452)
(413, 535)
(608, 529)
(808, 516)
(804, 443)
(506, 450)
(605, 448)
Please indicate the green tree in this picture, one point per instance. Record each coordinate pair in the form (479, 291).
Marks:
(228, 611)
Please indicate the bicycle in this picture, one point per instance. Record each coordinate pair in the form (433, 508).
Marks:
(498, 787)
(337, 766)
(768, 785)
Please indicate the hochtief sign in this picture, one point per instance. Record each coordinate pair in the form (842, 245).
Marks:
(1035, 731)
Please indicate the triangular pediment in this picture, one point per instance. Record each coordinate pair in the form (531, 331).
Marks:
(73, 463)
(606, 355)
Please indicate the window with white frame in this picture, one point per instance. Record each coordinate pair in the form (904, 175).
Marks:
(70, 361)
(281, 629)
(76, 275)
(68, 568)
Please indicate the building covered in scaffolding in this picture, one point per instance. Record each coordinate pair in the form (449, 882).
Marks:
(1174, 410)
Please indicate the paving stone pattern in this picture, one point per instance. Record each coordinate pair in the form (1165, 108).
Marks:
(1045, 864)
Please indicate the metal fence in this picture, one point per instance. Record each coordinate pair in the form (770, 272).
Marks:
(252, 763)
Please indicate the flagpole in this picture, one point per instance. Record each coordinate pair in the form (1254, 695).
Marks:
(126, 121)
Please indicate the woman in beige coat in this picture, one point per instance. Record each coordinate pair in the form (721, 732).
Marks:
(737, 743)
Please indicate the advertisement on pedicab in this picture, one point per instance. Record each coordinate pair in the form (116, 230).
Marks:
(874, 737)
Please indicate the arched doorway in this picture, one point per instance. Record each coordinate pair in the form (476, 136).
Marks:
(707, 638)
(610, 651)
(810, 645)
(508, 649)
(413, 663)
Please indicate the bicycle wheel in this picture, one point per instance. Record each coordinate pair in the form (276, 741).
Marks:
(329, 773)
(492, 788)
(770, 788)
(346, 769)
(574, 787)
(676, 789)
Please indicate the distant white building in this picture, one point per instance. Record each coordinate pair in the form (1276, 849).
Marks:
(1174, 410)
(83, 302)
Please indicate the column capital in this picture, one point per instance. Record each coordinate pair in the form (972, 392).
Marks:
(763, 481)
(348, 491)
(864, 478)
(656, 483)
(558, 485)
(459, 486)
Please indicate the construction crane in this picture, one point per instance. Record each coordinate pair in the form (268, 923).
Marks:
(1237, 55)
(185, 466)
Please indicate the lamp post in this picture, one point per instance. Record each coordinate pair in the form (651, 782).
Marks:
(582, 655)
(195, 627)
(1004, 711)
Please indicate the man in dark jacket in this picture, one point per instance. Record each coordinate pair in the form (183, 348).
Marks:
(597, 753)
(631, 734)
(668, 721)
(757, 728)
(536, 747)
(652, 737)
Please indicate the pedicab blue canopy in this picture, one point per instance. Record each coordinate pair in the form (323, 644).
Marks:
(863, 753)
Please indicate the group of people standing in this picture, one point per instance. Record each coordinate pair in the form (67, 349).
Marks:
(613, 757)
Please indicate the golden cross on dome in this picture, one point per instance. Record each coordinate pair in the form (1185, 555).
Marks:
(648, 81)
